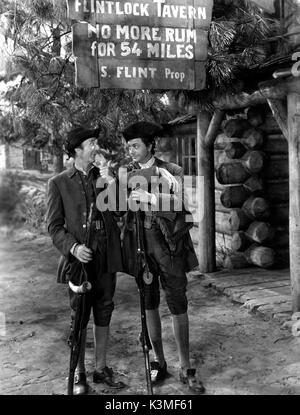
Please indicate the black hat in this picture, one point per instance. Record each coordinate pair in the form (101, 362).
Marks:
(142, 129)
(77, 136)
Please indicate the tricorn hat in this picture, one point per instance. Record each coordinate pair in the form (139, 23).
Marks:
(77, 136)
(142, 129)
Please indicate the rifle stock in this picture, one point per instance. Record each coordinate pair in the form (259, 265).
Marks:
(142, 264)
(80, 291)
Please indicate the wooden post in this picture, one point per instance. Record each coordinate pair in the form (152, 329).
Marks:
(207, 130)
(279, 112)
(292, 13)
(294, 185)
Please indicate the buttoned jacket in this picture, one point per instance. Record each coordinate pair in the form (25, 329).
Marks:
(174, 223)
(67, 219)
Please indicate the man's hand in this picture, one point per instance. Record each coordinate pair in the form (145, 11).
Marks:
(83, 254)
(105, 171)
(140, 195)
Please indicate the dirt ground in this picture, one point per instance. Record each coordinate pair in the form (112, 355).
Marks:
(235, 352)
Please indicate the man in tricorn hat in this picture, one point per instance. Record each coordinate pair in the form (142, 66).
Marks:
(169, 250)
(71, 201)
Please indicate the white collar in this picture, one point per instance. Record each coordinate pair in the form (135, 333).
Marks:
(148, 164)
(83, 171)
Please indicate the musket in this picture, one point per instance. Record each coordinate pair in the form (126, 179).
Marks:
(80, 290)
(142, 274)
(143, 270)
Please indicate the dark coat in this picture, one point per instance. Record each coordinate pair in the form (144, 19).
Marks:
(173, 224)
(67, 221)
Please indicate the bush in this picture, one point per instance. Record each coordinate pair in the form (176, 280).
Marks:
(22, 200)
(32, 207)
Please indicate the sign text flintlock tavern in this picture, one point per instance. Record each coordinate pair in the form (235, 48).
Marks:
(146, 44)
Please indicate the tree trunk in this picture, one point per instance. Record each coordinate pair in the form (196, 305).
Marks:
(58, 163)
(253, 161)
(254, 185)
(279, 112)
(256, 208)
(260, 232)
(235, 150)
(294, 178)
(260, 255)
(236, 127)
(222, 223)
(205, 164)
(240, 241)
(255, 116)
(237, 171)
(253, 138)
(238, 220)
(207, 130)
(232, 173)
(234, 196)
(292, 10)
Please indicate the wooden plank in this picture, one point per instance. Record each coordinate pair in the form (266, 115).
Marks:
(93, 65)
(254, 304)
(149, 74)
(199, 74)
(130, 56)
(294, 177)
(275, 144)
(140, 46)
(122, 46)
(238, 292)
(270, 125)
(279, 273)
(279, 111)
(235, 282)
(273, 285)
(276, 167)
(282, 316)
(275, 309)
(257, 294)
(206, 249)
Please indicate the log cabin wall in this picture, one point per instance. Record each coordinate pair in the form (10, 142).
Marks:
(252, 192)
(252, 211)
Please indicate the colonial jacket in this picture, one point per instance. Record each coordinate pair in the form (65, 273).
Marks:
(174, 223)
(67, 220)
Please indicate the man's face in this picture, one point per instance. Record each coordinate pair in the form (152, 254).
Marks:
(138, 150)
(88, 150)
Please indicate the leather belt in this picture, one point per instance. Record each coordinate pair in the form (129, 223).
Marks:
(150, 223)
(98, 224)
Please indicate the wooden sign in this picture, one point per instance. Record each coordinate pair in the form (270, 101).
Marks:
(154, 44)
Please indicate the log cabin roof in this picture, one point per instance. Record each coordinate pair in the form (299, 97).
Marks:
(184, 119)
(264, 72)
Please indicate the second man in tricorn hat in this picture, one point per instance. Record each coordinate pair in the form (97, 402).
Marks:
(169, 250)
